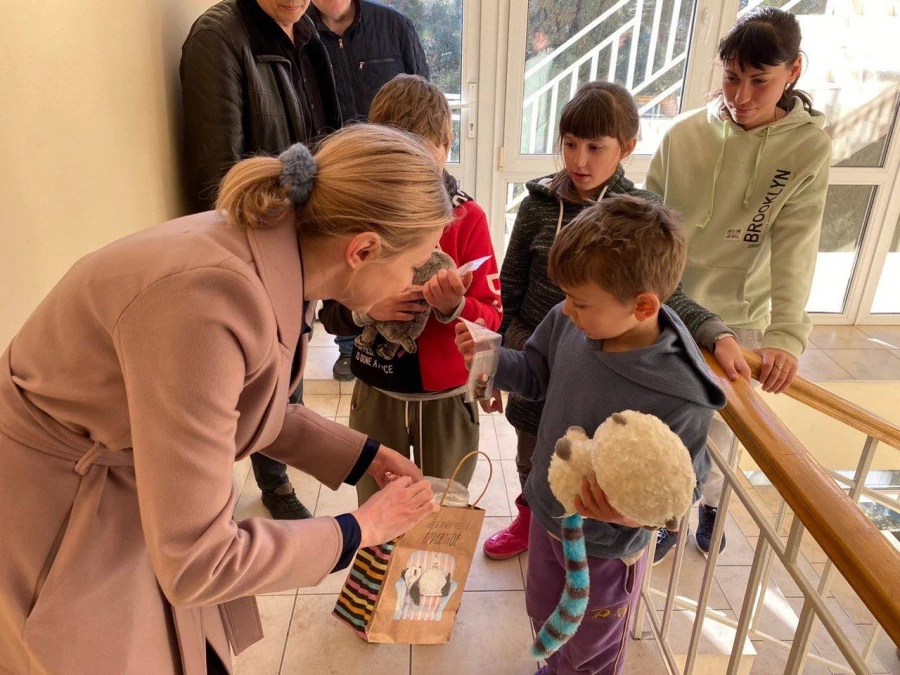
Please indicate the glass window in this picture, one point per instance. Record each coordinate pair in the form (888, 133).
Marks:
(846, 213)
(887, 296)
(852, 71)
(641, 44)
(439, 24)
(515, 193)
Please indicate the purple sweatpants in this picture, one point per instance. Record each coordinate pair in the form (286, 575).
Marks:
(598, 647)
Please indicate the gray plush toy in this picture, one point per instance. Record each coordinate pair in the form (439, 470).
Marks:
(404, 334)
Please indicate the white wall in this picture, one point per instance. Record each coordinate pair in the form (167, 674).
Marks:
(89, 133)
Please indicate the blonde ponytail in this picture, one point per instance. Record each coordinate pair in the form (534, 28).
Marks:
(368, 178)
(251, 193)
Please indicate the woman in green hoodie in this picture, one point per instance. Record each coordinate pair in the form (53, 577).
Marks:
(749, 174)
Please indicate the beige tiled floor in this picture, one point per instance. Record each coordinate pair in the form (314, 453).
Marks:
(492, 632)
(852, 352)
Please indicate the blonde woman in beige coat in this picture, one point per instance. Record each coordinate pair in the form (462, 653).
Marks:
(155, 364)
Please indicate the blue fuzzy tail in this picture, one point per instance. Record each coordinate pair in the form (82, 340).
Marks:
(567, 616)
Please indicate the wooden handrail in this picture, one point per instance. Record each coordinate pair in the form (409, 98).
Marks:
(834, 406)
(857, 548)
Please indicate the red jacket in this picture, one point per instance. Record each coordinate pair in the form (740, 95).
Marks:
(436, 365)
(467, 239)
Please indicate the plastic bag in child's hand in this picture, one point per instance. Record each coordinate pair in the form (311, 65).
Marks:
(472, 266)
(485, 359)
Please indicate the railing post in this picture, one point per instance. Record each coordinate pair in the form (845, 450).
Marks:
(551, 116)
(806, 627)
(870, 645)
(532, 127)
(713, 556)
(757, 586)
(668, 657)
(613, 59)
(635, 38)
(654, 35)
(863, 468)
(637, 623)
(595, 62)
(675, 575)
(673, 31)
(768, 563)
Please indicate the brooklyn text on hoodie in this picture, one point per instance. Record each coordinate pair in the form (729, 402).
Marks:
(755, 229)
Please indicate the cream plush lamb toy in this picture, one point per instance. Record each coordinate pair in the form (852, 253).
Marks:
(646, 473)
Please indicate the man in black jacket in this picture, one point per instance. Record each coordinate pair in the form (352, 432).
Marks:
(369, 44)
(255, 79)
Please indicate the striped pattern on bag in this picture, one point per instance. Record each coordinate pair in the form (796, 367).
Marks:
(356, 603)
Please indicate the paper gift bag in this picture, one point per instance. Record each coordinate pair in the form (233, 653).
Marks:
(408, 591)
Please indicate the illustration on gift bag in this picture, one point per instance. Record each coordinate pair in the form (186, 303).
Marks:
(425, 586)
(409, 591)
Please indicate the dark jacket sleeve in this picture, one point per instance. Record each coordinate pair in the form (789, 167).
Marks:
(213, 95)
(414, 59)
(514, 274)
(337, 319)
(702, 324)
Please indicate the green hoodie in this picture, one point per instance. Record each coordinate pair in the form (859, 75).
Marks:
(751, 203)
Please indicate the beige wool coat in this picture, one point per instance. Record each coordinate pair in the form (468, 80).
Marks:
(126, 398)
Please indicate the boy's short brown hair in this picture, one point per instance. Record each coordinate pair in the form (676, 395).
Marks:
(626, 245)
(413, 104)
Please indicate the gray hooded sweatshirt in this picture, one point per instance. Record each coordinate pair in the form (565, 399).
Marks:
(583, 385)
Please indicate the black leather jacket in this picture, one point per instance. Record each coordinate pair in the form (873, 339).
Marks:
(248, 90)
(379, 44)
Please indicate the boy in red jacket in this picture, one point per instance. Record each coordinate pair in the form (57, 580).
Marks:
(416, 400)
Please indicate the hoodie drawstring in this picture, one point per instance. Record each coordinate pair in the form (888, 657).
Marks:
(602, 193)
(421, 430)
(759, 154)
(559, 222)
(712, 197)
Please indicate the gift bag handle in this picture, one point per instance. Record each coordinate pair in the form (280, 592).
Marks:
(459, 466)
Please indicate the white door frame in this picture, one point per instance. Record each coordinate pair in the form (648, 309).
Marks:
(884, 219)
(464, 170)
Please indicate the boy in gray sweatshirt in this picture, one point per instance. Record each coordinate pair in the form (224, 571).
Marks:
(611, 346)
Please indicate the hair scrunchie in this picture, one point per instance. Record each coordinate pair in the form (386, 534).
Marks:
(299, 173)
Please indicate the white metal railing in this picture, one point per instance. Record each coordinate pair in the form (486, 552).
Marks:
(545, 94)
(787, 6)
(770, 546)
(541, 106)
(859, 127)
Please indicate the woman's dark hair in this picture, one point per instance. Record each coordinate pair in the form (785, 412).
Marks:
(765, 37)
(597, 109)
